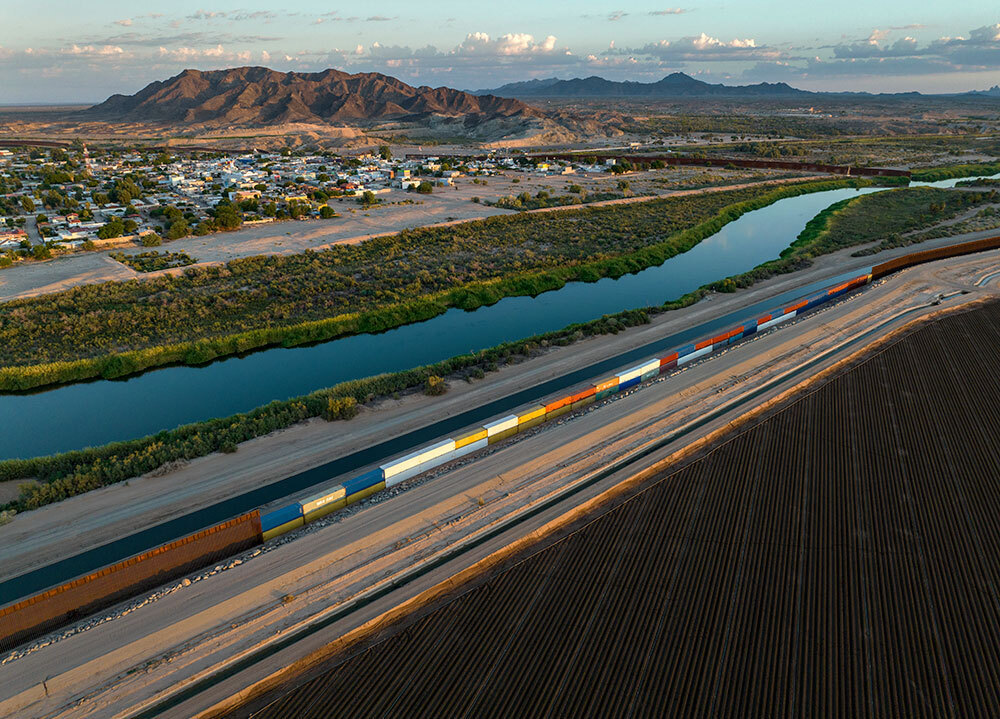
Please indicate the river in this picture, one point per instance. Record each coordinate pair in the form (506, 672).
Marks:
(94, 413)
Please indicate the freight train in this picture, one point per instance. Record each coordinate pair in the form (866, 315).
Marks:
(55, 607)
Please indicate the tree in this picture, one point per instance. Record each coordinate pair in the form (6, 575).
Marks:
(27, 203)
(114, 228)
(367, 198)
(385, 152)
(177, 229)
(425, 188)
(41, 252)
(151, 239)
(227, 217)
(130, 226)
(326, 212)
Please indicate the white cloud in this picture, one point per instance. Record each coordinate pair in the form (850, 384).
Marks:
(126, 22)
(90, 50)
(669, 11)
(479, 43)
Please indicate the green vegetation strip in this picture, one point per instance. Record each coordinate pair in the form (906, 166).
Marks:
(370, 287)
(948, 172)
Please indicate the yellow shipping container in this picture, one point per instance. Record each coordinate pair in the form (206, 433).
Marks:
(556, 412)
(531, 413)
(470, 437)
(531, 423)
(503, 435)
(364, 493)
(283, 528)
(326, 509)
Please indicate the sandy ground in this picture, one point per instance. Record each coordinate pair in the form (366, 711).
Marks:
(112, 668)
(36, 538)
(447, 205)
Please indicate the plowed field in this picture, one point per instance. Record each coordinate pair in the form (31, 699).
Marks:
(840, 557)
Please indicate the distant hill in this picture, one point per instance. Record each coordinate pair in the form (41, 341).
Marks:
(992, 92)
(258, 96)
(676, 84)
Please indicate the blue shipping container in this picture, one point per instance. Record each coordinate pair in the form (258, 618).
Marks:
(363, 481)
(749, 330)
(277, 517)
(685, 350)
(629, 383)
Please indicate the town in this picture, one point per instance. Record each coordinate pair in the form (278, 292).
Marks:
(57, 201)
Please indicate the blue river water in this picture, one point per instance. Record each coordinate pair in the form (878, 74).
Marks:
(94, 413)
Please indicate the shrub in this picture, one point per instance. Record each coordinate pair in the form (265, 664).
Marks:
(340, 408)
(435, 386)
(151, 240)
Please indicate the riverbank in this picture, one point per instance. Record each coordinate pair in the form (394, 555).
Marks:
(119, 364)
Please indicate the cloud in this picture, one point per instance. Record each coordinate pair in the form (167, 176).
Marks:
(980, 50)
(127, 22)
(379, 18)
(234, 15)
(92, 51)
(617, 15)
(669, 11)
(703, 47)
(479, 43)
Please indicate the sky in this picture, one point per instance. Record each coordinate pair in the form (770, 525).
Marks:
(62, 52)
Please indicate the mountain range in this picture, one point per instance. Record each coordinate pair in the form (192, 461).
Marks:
(258, 96)
(677, 84)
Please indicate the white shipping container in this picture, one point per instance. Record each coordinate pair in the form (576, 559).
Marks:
(433, 462)
(772, 322)
(630, 373)
(499, 425)
(694, 355)
(418, 457)
(653, 364)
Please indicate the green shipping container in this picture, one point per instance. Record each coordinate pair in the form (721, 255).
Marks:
(530, 423)
(557, 412)
(585, 401)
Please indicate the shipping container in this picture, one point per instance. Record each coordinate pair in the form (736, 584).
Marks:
(471, 436)
(584, 394)
(605, 385)
(530, 414)
(502, 435)
(558, 404)
(774, 321)
(558, 411)
(630, 374)
(702, 344)
(668, 361)
(793, 308)
(363, 481)
(694, 355)
(589, 399)
(284, 528)
(533, 422)
(364, 493)
(500, 425)
(277, 517)
(628, 384)
(685, 350)
(469, 448)
(319, 505)
(396, 467)
(750, 329)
